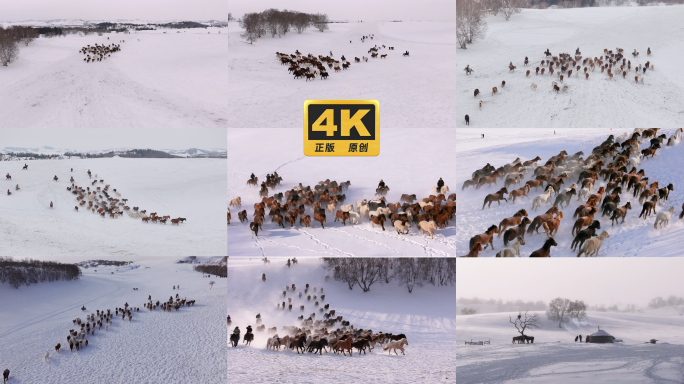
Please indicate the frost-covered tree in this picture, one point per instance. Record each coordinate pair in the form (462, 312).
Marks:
(470, 22)
(509, 8)
(9, 51)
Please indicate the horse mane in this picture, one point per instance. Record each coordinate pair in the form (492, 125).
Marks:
(548, 243)
(490, 229)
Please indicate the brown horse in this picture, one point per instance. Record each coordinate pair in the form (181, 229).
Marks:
(306, 220)
(539, 220)
(342, 215)
(474, 251)
(379, 220)
(517, 231)
(486, 238)
(498, 196)
(253, 182)
(519, 192)
(545, 250)
(509, 221)
(551, 226)
(489, 180)
(584, 221)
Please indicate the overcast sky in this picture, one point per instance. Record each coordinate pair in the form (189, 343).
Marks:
(155, 10)
(97, 139)
(366, 10)
(596, 281)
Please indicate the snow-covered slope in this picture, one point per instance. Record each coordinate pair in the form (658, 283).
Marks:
(410, 161)
(636, 237)
(187, 346)
(596, 102)
(414, 92)
(192, 188)
(426, 317)
(158, 79)
(556, 358)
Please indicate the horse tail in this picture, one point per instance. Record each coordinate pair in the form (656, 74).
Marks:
(505, 238)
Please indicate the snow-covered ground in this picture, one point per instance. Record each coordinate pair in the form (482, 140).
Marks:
(556, 358)
(411, 161)
(188, 346)
(415, 91)
(159, 79)
(189, 188)
(426, 317)
(636, 237)
(596, 102)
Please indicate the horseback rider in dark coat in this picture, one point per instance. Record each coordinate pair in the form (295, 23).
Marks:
(440, 184)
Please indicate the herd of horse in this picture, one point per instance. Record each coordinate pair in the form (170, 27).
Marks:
(429, 214)
(77, 338)
(101, 202)
(563, 65)
(99, 52)
(603, 181)
(318, 335)
(308, 66)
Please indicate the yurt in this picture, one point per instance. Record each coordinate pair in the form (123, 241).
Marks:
(600, 336)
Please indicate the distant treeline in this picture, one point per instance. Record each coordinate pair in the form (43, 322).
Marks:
(409, 272)
(29, 271)
(211, 269)
(134, 153)
(275, 22)
(104, 262)
(515, 304)
(659, 302)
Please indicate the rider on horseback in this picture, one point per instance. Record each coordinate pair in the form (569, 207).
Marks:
(252, 177)
(236, 331)
(440, 184)
(249, 329)
(381, 184)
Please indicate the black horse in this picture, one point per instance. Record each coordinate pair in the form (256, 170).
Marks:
(5, 375)
(317, 346)
(405, 53)
(234, 339)
(248, 338)
(8, 177)
(25, 166)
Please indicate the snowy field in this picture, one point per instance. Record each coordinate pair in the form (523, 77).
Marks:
(556, 358)
(426, 317)
(159, 79)
(636, 237)
(188, 346)
(189, 188)
(596, 102)
(415, 91)
(411, 161)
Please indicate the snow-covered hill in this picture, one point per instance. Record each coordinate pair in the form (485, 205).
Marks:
(556, 358)
(426, 317)
(193, 189)
(636, 237)
(411, 161)
(184, 346)
(596, 102)
(46, 150)
(161, 78)
(414, 92)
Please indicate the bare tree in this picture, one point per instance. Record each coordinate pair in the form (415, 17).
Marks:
(559, 309)
(470, 22)
(320, 21)
(578, 310)
(510, 7)
(525, 321)
(409, 272)
(9, 51)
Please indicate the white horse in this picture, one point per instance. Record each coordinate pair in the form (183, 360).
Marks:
(513, 249)
(394, 345)
(663, 217)
(593, 245)
(543, 198)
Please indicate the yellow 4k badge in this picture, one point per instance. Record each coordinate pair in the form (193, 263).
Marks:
(341, 128)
